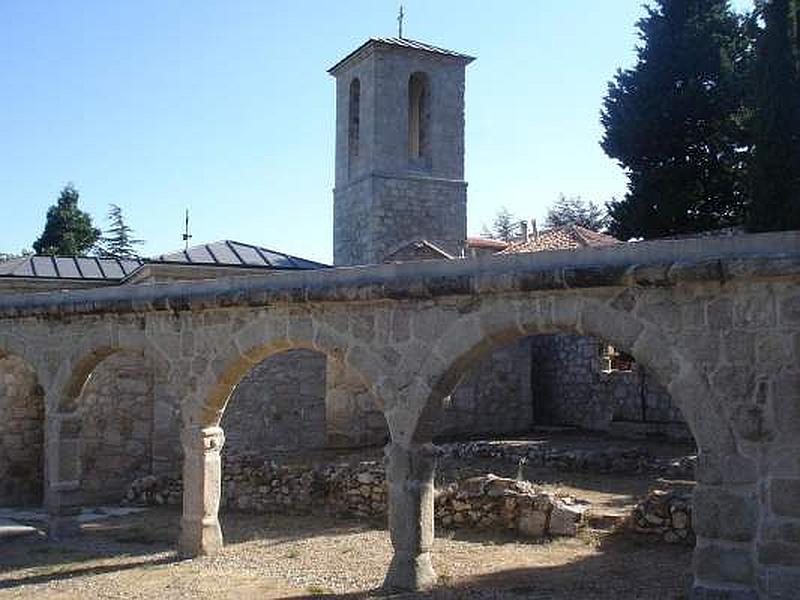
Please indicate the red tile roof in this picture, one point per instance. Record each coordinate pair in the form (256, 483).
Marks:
(479, 242)
(569, 237)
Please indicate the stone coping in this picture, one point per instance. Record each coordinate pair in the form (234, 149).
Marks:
(645, 264)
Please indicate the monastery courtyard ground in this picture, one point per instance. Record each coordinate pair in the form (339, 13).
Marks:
(281, 556)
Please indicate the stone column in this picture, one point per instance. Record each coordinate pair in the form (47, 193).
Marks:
(725, 517)
(410, 473)
(63, 468)
(202, 469)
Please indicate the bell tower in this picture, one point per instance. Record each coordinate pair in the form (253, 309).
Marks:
(399, 150)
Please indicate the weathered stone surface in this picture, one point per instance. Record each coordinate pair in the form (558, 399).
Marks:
(21, 433)
(744, 285)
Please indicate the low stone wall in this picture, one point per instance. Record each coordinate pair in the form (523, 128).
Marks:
(486, 502)
(665, 513)
(609, 460)
(491, 502)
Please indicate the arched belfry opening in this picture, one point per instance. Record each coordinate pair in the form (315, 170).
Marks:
(354, 112)
(419, 117)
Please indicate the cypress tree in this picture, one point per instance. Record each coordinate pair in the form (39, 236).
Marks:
(776, 160)
(676, 122)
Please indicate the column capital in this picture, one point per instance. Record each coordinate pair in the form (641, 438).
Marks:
(210, 439)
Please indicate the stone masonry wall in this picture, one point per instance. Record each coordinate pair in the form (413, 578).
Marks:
(116, 413)
(280, 404)
(494, 398)
(255, 485)
(569, 388)
(373, 218)
(21, 434)
(353, 416)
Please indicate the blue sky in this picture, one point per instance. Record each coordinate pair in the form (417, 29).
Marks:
(225, 108)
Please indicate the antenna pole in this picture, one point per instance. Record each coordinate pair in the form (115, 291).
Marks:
(400, 17)
(186, 236)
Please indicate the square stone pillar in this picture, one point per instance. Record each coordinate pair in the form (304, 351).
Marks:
(63, 469)
(202, 486)
(410, 473)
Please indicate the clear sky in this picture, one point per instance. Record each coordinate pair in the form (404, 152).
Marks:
(225, 107)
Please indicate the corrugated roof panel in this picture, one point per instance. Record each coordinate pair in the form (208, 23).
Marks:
(281, 261)
(129, 265)
(199, 254)
(67, 267)
(43, 266)
(89, 268)
(223, 254)
(112, 269)
(250, 255)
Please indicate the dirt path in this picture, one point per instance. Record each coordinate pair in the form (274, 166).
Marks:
(291, 557)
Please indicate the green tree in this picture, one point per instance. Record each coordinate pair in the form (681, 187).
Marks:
(776, 160)
(575, 211)
(118, 241)
(676, 122)
(505, 226)
(68, 230)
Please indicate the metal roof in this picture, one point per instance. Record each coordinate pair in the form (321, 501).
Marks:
(403, 43)
(225, 253)
(70, 267)
(237, 254)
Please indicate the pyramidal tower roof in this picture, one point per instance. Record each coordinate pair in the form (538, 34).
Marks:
(396, 42)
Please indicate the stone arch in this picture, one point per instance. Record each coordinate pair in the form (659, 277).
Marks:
(419, 117)
(22, 418)
(112, 417)
(202, 437)
(494, 325)
(237, 364)
(491, 323)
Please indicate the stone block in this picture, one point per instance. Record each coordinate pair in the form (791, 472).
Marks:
(532, 523)
(782, 583)
(723, 564)
(564, 520)
(706, 592)
(779, 554)
(719, 514)
(784, 497)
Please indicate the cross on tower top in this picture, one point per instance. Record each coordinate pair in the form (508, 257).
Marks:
(400, 15)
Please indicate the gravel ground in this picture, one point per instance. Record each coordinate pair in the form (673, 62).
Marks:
(292, 557)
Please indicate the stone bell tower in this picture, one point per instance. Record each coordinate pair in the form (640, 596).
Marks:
(399, 150)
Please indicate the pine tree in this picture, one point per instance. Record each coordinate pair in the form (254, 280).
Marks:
(776, 160)
(575, 211)
(118, 241)
(676, 122)
(68, 230)
(504, 227)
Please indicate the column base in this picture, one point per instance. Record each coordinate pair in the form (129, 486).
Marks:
(199, 537)
(410, 573)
